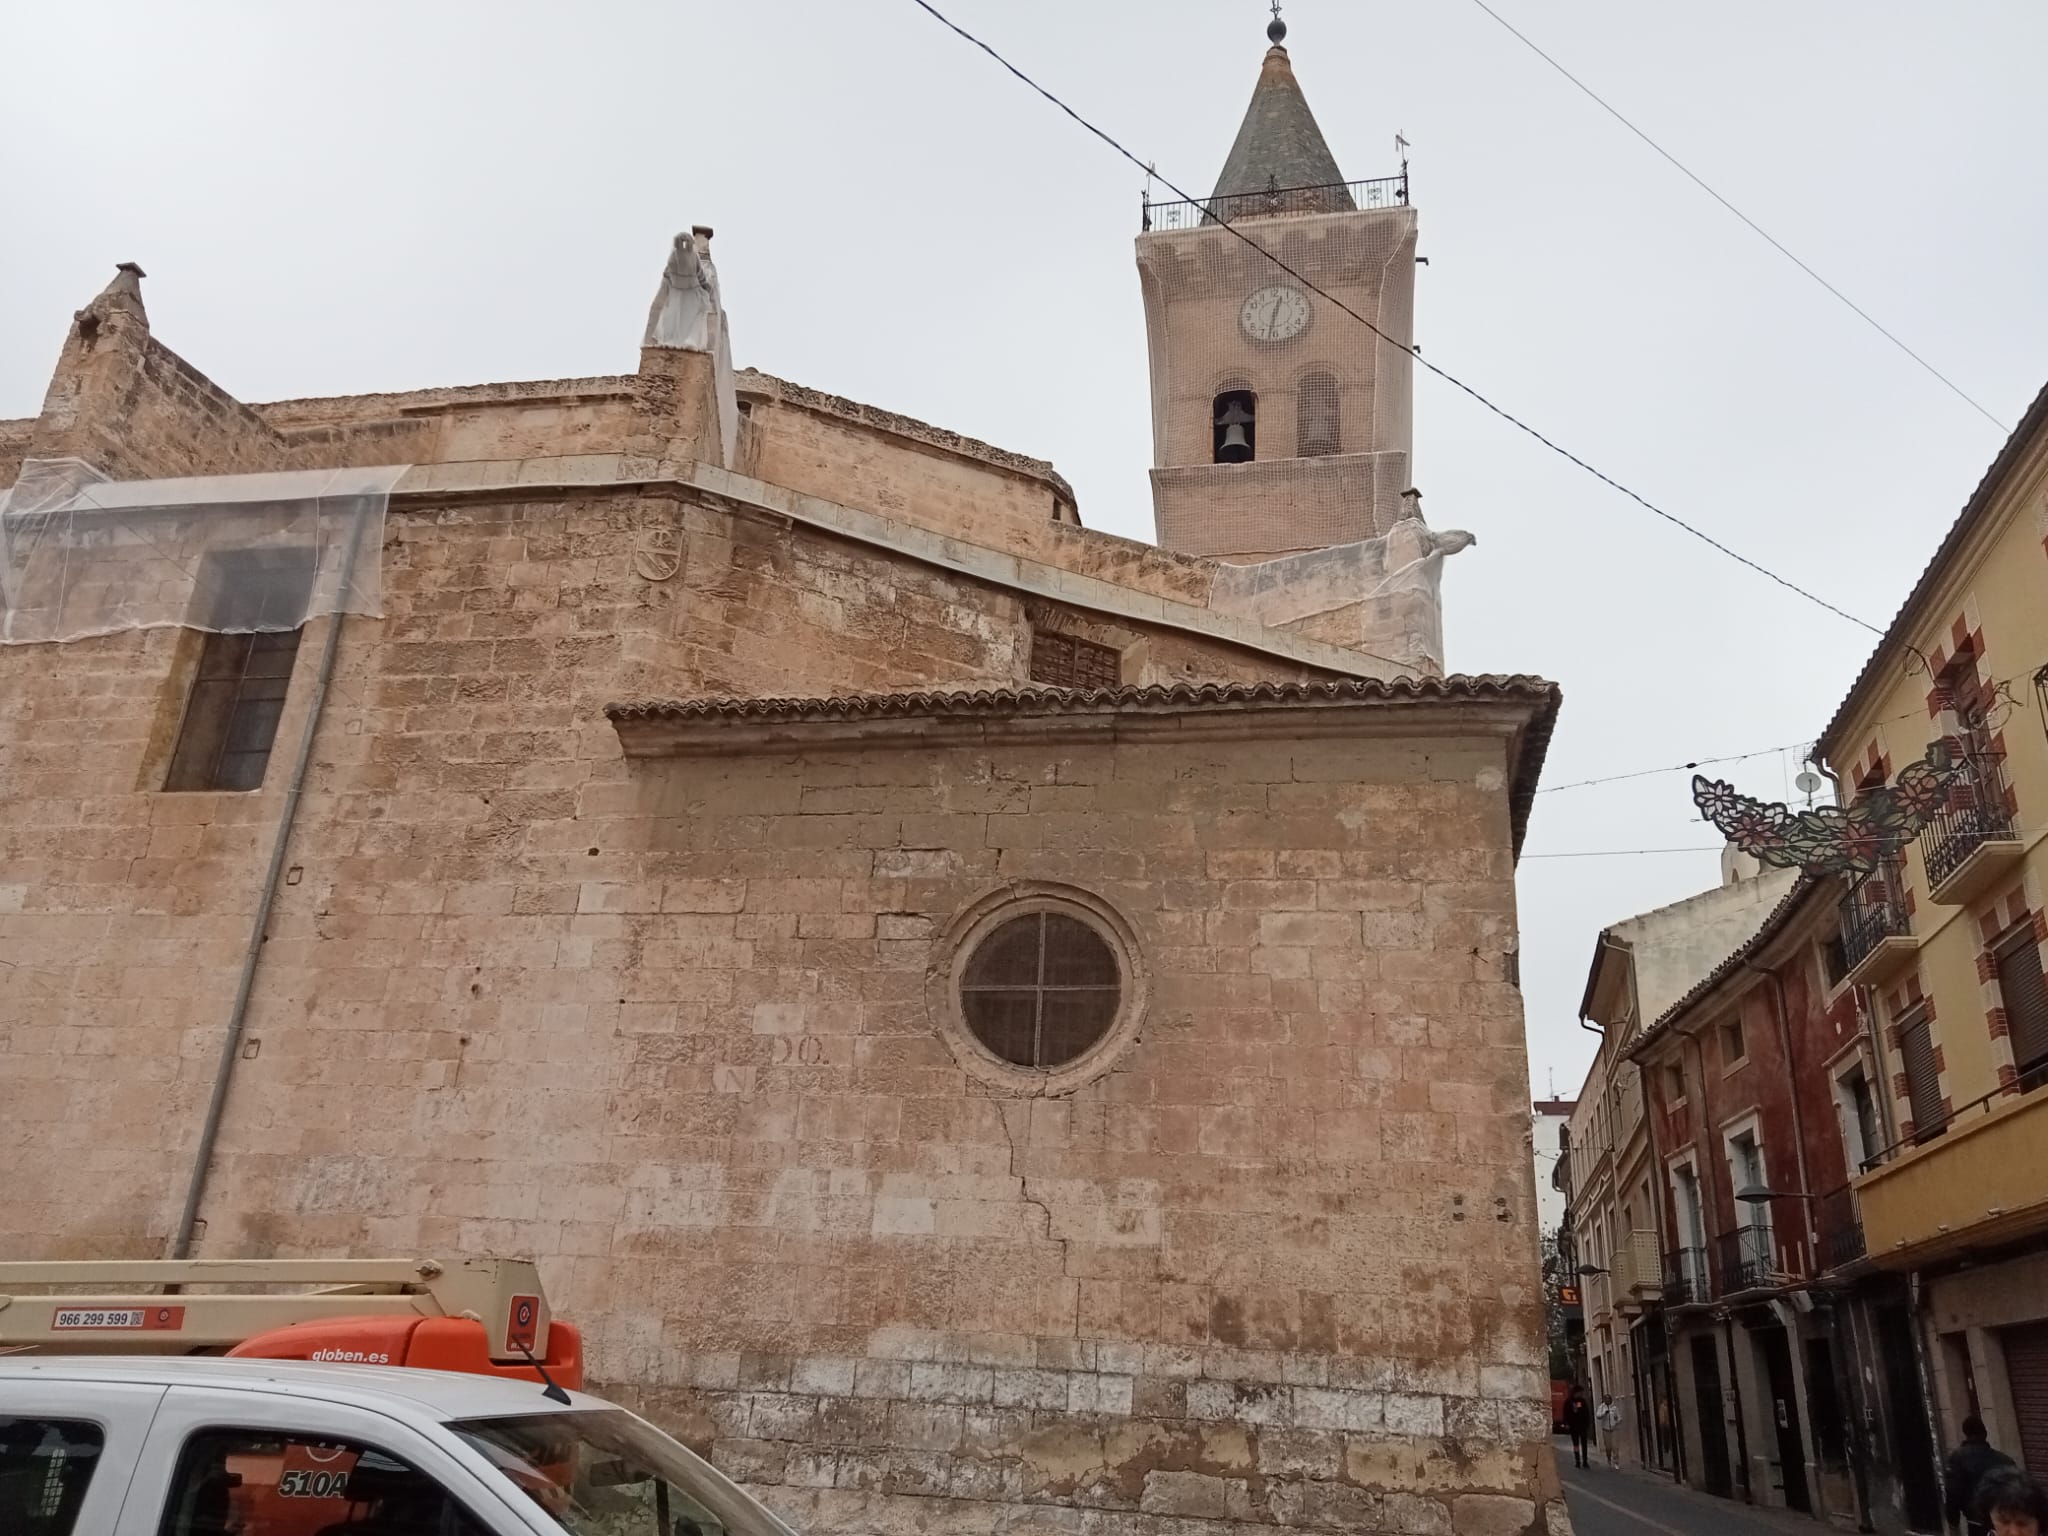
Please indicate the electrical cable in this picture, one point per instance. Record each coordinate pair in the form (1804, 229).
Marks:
(1644, 773)
(1776, 244)
(1995, 684)
(1618, 853)
(1515, 421)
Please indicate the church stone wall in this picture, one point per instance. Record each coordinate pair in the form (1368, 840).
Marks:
(847, 461)
(1274, 1269)
(464, 741)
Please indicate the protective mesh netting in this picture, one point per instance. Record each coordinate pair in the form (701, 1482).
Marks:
(84, 555)
(1315, 522)
(1331, 399)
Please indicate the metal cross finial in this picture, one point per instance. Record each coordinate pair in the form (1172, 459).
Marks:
(1276, 29)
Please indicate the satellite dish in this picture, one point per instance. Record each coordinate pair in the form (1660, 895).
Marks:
(1807, 782)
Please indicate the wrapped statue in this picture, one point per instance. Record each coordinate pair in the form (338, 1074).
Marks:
(687, 315)
(683, 311)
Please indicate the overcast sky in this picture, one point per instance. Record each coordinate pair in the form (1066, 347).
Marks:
(333, 199)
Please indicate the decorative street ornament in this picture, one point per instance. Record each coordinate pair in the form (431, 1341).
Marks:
(1832, 839)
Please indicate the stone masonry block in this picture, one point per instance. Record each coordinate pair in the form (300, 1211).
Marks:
(1030, 1389)
(1408, 1514)
(1327, 1408)
(1411, 1415)
(1492, 1514)
(1195, 1495)
(939, 1383)
(925, 1426)
(781, 1416)
(823, 1376)
(1099, 1394)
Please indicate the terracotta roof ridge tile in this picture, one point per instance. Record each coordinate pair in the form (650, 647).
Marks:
(992, 700)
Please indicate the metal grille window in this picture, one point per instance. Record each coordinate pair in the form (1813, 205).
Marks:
(1923, 1077)
(1065, 662)
(1041, 990)
(2024, 994)
(232, 714)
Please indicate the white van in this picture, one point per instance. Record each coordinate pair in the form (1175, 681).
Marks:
(204, 1446)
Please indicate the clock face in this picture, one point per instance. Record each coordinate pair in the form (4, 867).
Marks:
(1278, 313)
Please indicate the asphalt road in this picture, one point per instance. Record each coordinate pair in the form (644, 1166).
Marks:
(1605, 1501)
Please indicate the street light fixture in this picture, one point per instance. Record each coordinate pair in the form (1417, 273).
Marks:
(1587, 1271)
(1756, 1194)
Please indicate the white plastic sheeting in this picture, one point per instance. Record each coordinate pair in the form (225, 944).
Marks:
(687, 314)
(1406, 564)
(84, 555)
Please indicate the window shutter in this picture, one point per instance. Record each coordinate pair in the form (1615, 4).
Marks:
(2025, 995)
(1923, 1078)
(2026, 1372)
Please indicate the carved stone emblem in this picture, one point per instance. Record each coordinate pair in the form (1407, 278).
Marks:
(659, 555)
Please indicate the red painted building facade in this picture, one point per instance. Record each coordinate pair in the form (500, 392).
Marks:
(1795, 1371)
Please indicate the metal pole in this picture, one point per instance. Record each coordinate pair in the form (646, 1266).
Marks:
(238, 1014)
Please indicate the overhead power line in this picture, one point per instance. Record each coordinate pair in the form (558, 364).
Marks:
(1772, 240)
(1996, 684)
(1645, 773)
(1618, 853)
(1449, 378)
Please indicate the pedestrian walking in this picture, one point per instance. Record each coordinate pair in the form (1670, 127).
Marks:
(1578, 1423)
(2013, 1505)
(1969, 1466)
(1608, 1418)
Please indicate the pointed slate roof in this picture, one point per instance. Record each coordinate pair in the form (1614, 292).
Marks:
(1279, 144)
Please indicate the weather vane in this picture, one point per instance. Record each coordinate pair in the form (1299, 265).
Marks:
(1276, 29)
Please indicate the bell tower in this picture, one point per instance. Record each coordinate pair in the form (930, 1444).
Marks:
(1279, 423)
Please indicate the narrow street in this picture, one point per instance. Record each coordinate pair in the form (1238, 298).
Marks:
(1608, 1501)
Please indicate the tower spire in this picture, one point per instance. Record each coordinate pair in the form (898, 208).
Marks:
(1279, 145)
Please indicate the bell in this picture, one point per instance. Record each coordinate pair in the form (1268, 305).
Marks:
(1234, 447)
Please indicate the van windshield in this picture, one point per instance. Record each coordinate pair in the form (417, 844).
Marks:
(606, 1473)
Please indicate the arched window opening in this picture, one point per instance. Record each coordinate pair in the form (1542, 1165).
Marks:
(1235, 421)
(1318, 417)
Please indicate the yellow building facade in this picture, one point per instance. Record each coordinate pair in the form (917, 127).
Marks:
(1947, 938)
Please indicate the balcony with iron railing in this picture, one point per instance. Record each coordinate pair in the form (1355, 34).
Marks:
(1970, 843)
(1278, 202)
(1877, 933)
(1976, 1179)
(1686, 1280)
(1745, 1260)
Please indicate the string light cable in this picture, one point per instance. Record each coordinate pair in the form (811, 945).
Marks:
(1770, 239)
(1453, 380)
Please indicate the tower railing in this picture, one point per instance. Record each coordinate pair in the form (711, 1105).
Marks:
(1329, 197)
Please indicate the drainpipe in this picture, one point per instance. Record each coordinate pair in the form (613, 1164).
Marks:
(1915, 1299)
(1866, 1002)
(1727, 1326)
(1798, 1120)
(1858, 1483)
(238, 1013)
